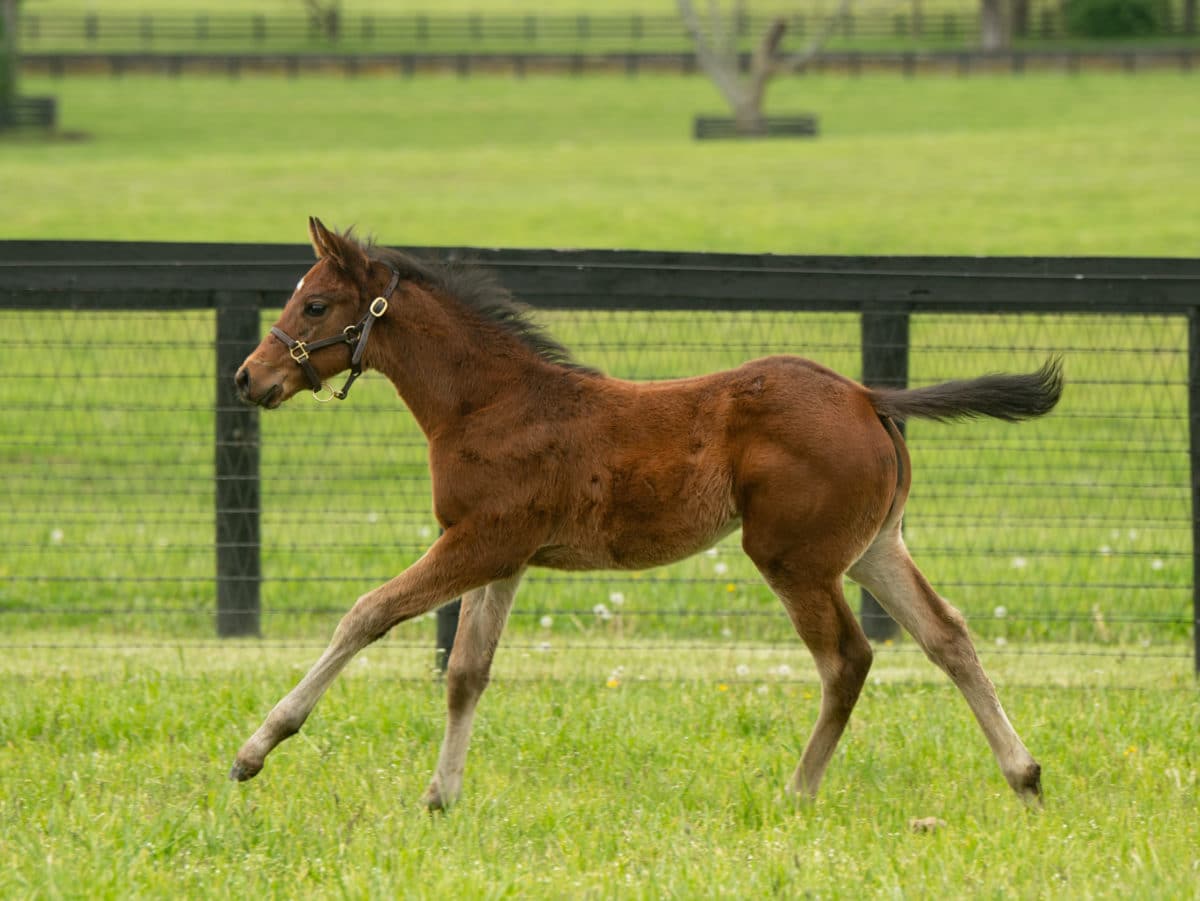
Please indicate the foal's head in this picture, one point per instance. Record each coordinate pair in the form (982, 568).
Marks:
(317, 335)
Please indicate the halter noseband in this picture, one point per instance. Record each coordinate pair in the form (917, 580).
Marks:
(354, 335)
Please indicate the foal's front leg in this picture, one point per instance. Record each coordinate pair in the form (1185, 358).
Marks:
(456, 563)
(484, 613)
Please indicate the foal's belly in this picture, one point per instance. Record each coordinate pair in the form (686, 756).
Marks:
(626, 551)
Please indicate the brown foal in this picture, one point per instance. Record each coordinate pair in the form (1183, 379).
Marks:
(537, 461)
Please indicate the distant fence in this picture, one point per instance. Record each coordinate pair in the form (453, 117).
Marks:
(519, 64)
(142, 496)
(913, 20)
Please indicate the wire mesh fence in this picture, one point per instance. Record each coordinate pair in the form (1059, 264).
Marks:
(1066, 535)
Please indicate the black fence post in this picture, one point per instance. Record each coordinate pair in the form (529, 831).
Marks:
(1194, 454)
(236, 458)
(447, 625)
(884, 364)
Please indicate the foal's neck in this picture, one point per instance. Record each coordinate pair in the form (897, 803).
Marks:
(447, 362)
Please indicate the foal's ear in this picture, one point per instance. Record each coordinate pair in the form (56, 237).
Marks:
(343, 252)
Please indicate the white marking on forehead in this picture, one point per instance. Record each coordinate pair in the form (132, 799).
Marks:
(299, 284)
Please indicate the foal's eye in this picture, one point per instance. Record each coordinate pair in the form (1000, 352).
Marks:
(315, 309)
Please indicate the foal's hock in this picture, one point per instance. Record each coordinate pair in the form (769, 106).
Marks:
(539, 461)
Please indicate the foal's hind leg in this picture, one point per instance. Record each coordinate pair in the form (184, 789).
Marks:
(484, 613)
(811, 592)
(843, 657)
(887, 571)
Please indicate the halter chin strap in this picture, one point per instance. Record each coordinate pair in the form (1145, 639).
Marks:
(354, 335)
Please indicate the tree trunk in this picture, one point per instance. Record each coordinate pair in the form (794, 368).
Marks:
(8, 61)
(1020, 19)
(993, 25)
(1189, 17)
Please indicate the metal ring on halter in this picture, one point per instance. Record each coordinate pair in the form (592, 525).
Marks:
(324, 398)
(379, 306)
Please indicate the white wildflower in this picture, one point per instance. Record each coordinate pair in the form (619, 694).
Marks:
(546, 621)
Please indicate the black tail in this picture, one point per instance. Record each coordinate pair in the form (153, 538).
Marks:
(1008, 397)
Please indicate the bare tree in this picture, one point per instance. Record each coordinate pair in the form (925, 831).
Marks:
(995, 29)
(715, 39)
(325, 16)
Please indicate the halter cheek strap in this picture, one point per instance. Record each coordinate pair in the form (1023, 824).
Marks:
(355, 335)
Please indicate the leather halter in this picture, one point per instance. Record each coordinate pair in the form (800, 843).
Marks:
(354, 335)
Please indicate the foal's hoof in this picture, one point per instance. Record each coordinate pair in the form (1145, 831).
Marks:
(242, 771)
(1029, 786)
(434, 800)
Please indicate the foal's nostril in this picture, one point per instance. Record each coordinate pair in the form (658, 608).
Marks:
(242, 380)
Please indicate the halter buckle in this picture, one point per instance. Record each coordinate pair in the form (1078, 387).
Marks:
(298, 352)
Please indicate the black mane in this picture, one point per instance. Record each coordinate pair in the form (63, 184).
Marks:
(480, 291)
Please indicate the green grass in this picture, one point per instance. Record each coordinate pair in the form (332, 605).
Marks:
(672, 787)
(1042, 165)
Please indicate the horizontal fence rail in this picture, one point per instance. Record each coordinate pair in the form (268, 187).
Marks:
(144, 499)
(522, 64)
(949, 22)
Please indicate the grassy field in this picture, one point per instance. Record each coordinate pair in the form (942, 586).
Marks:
(613, 757)
(1036, 165)
(671, 787)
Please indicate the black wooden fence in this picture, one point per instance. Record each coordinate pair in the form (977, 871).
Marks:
(72, 283)
(934, 20)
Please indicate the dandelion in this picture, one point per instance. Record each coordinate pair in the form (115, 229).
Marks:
(1131, 750)
(1001, 641)
(616, 599)
(544, 646)
(783, 670)
(1156, 564)
(721, 568)
(546, 621)
(613, 682)
(727, 632)
(742, 670)
(425, 531)
(1019, 562)
(372, 517)
(721, 686)
(602, 612)
(730, 588)
(56, 536)
(1000, 612)
(1132, 534)
(1105, 550)
(762, 689)
(711, 552)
